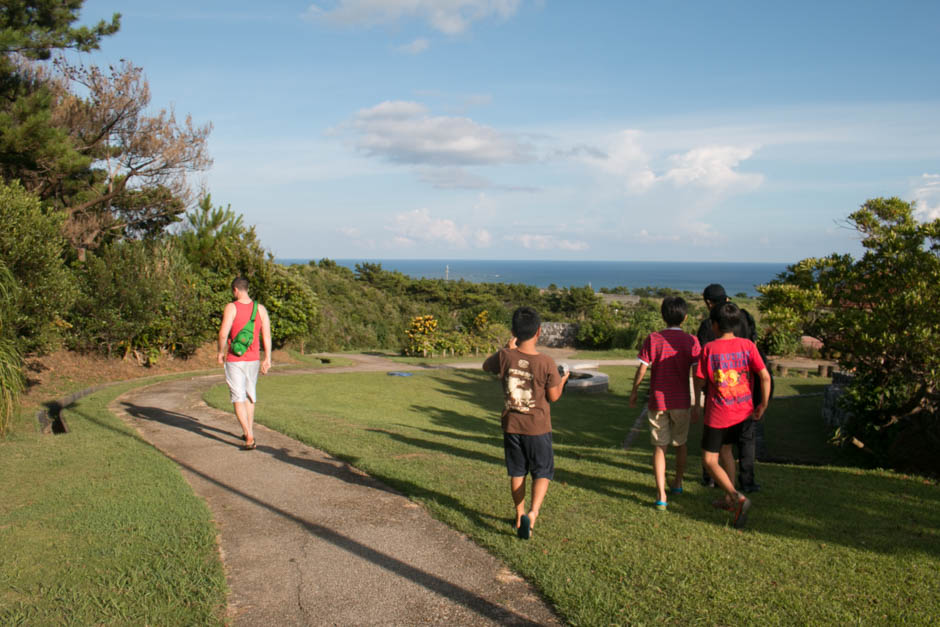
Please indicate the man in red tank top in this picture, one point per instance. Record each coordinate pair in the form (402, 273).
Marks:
(241, 371)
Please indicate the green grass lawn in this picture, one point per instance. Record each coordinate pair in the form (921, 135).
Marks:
(824, 544)
(615, 353)
(98, 527)
(318, 361)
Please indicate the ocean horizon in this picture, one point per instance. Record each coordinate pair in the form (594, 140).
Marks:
(736, 277)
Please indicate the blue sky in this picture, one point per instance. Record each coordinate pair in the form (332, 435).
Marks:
(524, 129)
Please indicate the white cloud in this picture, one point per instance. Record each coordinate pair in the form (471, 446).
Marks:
(461, 178)
(350, 231)
(650, 238)
(927, 197)
(546, 242)
(418, 225)
(416, 47)
(627, 159)
(404, 132)
(713, 167)
(451, 17)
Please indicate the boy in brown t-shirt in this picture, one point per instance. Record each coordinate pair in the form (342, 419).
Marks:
(530, 382)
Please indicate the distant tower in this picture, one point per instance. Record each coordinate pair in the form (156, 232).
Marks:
(447, 272)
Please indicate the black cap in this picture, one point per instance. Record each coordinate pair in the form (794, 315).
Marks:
(715, 293)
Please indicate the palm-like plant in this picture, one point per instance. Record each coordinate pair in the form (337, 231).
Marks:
(11, 363)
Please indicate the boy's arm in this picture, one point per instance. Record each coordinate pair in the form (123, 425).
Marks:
(698, 384)
(765, 394)
(492, 362)
(553, 394)
(640, 373)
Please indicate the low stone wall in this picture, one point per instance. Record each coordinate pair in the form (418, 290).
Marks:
(557, 334)
(832, 413)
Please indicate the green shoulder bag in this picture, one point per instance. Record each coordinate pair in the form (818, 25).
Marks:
(245, 337)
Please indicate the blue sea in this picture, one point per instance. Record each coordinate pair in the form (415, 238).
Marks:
(680, 275)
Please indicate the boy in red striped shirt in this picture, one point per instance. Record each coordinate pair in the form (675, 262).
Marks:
(670, 354)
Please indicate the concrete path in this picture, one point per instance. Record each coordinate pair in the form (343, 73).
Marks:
(308, 540)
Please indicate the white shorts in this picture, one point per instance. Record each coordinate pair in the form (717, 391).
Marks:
(242, 376)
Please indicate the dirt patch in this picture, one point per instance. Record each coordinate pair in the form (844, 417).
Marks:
(63, 372)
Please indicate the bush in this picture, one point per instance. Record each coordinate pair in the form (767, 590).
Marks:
(142, 299)
(32, 248)
(879, 314)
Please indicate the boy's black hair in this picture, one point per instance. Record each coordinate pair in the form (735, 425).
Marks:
(727, 315)
(674, 310)
(525, 323)
(240, 283)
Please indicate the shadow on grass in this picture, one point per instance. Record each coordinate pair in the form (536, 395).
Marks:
(563, 472)
(844, 506)
(193, 425)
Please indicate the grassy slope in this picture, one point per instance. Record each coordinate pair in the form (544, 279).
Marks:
(825, 544)
(98, 527)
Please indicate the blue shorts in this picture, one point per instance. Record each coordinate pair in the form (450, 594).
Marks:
(529, 454)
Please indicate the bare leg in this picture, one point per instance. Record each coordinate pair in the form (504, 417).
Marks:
(245, 412)
(681, 454)
(726, 458)
(659, 472)
(718, 473)
(539, 488)
(517, 487)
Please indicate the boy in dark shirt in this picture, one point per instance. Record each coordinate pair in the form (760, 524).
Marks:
(530, 382)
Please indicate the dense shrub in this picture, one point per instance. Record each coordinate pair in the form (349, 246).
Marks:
(31, 248)
(142, 299)
(291, 304)
(879, 314)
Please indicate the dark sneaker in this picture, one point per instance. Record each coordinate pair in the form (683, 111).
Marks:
(724, 504)
(740, 511)
(708, 482)
(754, 487)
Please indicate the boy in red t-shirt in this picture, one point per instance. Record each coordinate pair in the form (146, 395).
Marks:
(724, 371)
(670, 353)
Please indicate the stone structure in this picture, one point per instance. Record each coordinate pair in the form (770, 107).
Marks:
(557, 334)
(833, 414)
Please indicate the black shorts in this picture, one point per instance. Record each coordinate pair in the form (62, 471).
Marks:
(529, 454)
(713, 439)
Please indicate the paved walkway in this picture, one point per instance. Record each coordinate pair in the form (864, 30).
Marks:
(308, 540)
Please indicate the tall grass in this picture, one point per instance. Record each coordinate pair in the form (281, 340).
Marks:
(11, 363)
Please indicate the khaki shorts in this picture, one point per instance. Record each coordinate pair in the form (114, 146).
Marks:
(669, 427)
(242, 376)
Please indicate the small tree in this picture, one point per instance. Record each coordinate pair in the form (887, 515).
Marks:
(880, 315)
(422, 336)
